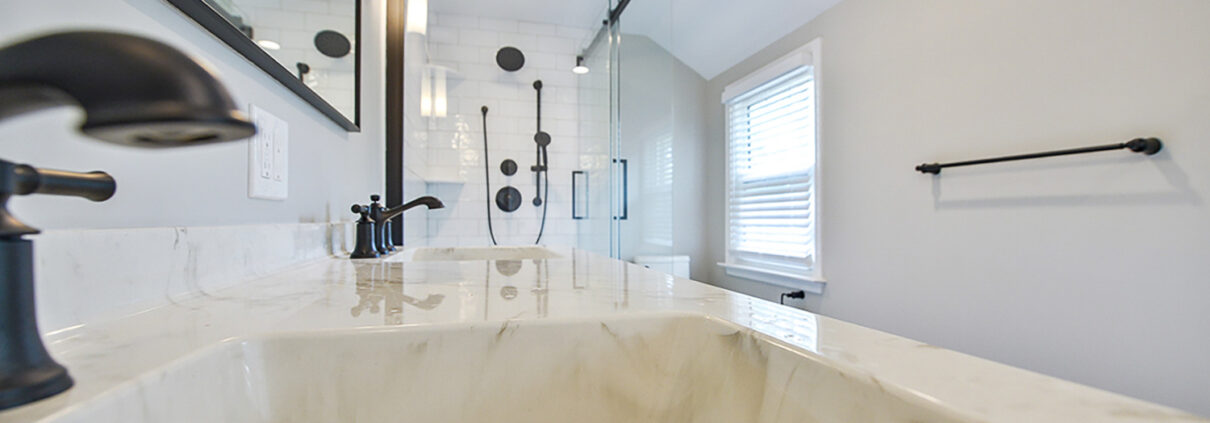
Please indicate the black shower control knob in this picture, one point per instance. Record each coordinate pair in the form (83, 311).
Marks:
(508, 199)
(508, 167)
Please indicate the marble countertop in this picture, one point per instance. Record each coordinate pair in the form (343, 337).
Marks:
(337, 293)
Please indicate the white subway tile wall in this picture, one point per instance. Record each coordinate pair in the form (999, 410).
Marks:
(415, 139)
(444, 154)
(293, 25)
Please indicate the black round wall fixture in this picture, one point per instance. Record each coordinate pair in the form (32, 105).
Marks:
(508, 199)
(332, 43)
(508, 167)
(510, 59)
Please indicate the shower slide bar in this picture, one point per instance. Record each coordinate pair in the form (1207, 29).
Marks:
(1148, 146)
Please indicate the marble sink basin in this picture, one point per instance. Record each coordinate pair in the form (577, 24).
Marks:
(474, 254)
(655, 367)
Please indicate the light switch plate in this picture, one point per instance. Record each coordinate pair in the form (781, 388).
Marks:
(268, 157)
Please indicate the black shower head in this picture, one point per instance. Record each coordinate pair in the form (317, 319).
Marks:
(332, 44)
(134, 91)
(510, 59)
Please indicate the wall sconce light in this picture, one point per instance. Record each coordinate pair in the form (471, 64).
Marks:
(580, 69)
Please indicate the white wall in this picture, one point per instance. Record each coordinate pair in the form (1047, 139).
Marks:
(452, 149)
(415, 127)
(330, 168)
(1090, 268)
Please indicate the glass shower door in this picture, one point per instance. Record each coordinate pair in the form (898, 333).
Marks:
(592, 182)
(645, 132)
(628, 164)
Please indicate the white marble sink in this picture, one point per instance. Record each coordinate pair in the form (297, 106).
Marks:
(451, 337)
(665, 367)
(474, 254)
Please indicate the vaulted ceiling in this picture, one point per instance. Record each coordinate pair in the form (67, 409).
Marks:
(710, 36)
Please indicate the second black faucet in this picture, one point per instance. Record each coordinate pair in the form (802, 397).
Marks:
(374, 225)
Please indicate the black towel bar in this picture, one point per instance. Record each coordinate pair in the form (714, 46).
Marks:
(1146, 146)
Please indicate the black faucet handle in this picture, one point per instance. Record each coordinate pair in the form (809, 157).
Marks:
(375, 197)
(26, 179)
(364, 211)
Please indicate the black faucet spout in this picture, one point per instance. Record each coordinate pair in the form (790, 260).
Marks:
(426, 201)
(133, 90)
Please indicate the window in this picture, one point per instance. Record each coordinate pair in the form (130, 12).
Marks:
(772, 135)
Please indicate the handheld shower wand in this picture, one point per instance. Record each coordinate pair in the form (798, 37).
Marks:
(542, 167)
(541, 139)
(487, 180)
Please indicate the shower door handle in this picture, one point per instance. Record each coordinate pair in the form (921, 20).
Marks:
(625, 189)
(575, 195)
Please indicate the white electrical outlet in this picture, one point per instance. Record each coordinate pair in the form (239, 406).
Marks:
(268, 157)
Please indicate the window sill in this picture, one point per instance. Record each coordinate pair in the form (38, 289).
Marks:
(782, 279)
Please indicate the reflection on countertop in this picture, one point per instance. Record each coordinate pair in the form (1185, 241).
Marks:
(341, 294)
(375, 288)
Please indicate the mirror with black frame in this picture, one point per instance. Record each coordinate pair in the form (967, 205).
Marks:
(310, 46)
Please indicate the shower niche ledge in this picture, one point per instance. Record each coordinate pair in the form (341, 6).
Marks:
(448, 175)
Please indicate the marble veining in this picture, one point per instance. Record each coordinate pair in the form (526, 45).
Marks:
(86, 275)
(575, 338)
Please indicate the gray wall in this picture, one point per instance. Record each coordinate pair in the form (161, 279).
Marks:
(329, 168)
(1090, 268)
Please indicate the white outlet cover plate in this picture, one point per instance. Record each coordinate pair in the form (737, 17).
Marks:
(268, 157)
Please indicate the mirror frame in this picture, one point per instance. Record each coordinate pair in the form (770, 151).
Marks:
(214, 22)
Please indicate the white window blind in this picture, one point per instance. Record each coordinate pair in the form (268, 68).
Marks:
(657, 191)
(771, 170)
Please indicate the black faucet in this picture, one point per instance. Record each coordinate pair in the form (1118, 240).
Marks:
(383, 242)
(134, 91)
(373, 228)
(367, 235)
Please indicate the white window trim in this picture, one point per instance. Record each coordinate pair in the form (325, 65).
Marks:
(807, 55)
